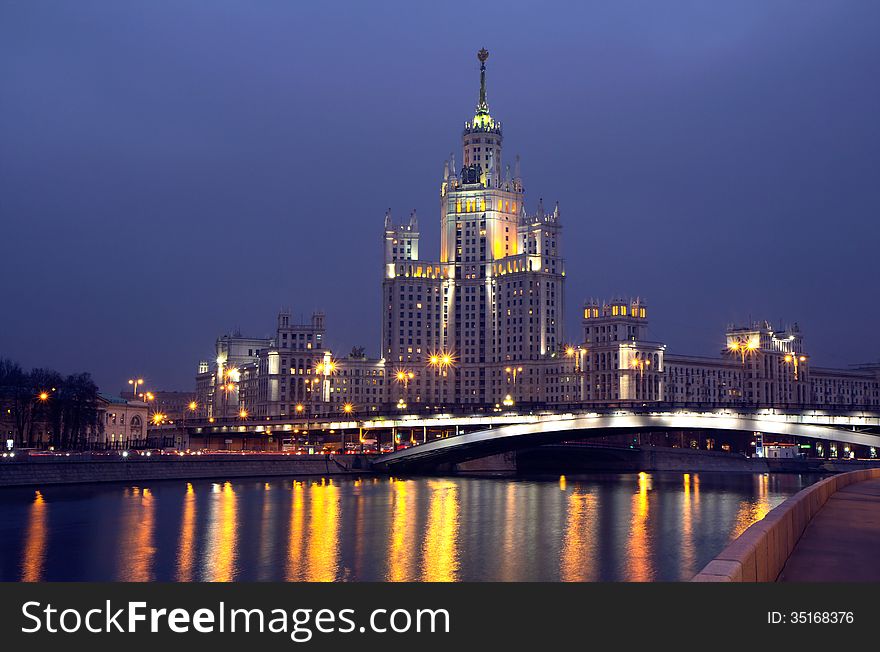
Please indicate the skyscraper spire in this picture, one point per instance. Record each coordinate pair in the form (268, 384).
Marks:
(483, 106)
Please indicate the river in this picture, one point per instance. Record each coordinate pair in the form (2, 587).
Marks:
(633, 527)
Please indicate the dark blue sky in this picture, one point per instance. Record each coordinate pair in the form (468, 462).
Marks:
(172, 170)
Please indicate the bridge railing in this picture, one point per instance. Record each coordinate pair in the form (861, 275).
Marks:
(391, 412)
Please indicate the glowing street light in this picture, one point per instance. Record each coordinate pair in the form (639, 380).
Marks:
(744, 346)
(635, 362)
(43, 396)
(795, 361)
(243, 413)
(574, 352)
(135, 382)
(514, 371)
(348, 408)
(158, 418)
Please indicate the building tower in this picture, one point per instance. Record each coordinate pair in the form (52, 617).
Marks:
(483, 323)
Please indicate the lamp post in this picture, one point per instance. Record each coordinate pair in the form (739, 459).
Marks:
(575, 352)
(135, 382)
(403, 376)
(636, 362)
(513, 371)
(347, 410)
(795, 360)
(745, 346)
(441, 361)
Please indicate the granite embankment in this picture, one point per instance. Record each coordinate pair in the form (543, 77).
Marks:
(84, 468)
(764, 550)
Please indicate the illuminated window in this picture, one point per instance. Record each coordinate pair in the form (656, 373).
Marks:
(642, 313)
(614, 310)
(483, 204)
(458, 206)
(623, 310)
(586, 313)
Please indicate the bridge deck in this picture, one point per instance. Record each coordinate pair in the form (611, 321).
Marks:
(842, 542)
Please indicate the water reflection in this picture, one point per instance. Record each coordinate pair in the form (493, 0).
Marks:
(441, 536)
(751, 511)
(639, 562)
(296, 532)
(658, 526)
(323, 543)
(35, 542)
(688, 506)
(578, 558)
(186, 548)
(220, 557)
(136, 549)
(403, 551)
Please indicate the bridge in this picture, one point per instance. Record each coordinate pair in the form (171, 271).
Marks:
(468, 433)
(862, 430)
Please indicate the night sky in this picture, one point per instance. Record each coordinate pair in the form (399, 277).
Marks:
(171, 171)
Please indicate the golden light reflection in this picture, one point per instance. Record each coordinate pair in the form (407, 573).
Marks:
(562, 482)
(186, 549)
(639, 563)
(322, 556)
(296, 535)
(35, 542)
(440, 546)
(136, 550)
(403, 550)
(222, 535)
(513, 535)
(688, 549)
(751, 511)
(578, 555)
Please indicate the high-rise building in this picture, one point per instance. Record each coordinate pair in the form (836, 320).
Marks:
(480, 325)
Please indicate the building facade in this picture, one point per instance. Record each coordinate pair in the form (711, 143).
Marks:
(479, 325)
(760, 366)
(289, 374)
(125, 423)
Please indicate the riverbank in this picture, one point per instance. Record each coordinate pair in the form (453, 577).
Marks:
(81, 468)
(825, 532)
(76, 469)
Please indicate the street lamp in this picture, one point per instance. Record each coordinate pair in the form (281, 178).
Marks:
(403, 376)
(574, 352)
(795, 360)
(635, 362)
(514, 371)
(745, 346)
(135, 382)
(347, 410)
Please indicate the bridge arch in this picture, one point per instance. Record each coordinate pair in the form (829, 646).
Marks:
(511, 437)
